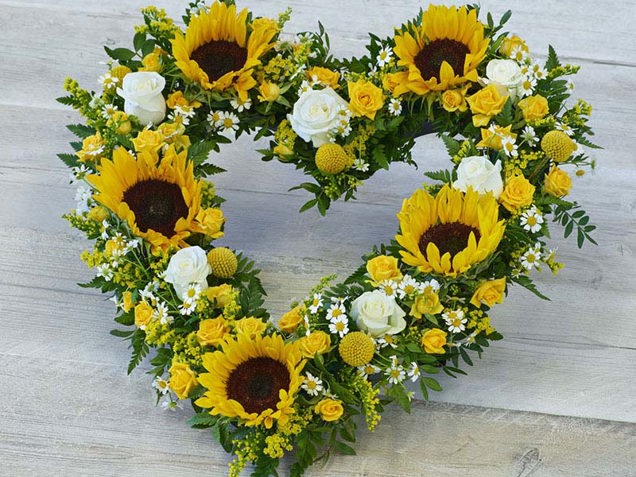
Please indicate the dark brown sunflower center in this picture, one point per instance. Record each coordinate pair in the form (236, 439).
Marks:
(430, 58)
(256, 383)
(219, 57)
(157, 205)
(451, 237)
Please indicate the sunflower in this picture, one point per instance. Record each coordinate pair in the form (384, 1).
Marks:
(158, 198)
(252, 378)
(442, 52)
(220, 48)
(449, 233)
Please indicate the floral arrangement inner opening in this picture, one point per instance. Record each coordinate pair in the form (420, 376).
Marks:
(415, 307)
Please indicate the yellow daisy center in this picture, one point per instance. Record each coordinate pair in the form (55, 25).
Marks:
(256, 383)
(219, 57)
(429, 60)
(532, 220)
(157, 205)
(451, 237)
(356, 349)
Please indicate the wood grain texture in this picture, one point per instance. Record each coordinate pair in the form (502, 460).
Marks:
(69, 409)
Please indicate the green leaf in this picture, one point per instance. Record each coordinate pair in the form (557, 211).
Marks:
(553, 59)
(343, 448)
(122, 333)
(81, 130)
(120, 54)
(70, 160)
(203, 420)
(452, 145)
(432, 383)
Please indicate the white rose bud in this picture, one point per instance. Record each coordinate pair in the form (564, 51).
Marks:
(378, 314)
(143, 98)
(316, 113)
(480, 174)
(505, 73)
(189, 265)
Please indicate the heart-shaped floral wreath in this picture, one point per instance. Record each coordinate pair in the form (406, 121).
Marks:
(416, 307)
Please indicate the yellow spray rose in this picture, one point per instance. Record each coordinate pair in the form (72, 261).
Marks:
(534, 108)
(486, 103)
(383, 268)
(433, 341)
(491, 138)
(220, 295)
(269, 92)
(182, 380)
(557, 182)
(318, 342)
(290, 320)
(98, 214)
(510, 43)
(427, 303)
(212, 331)
(209, 222)
(365, 98)
(329, 409)
(148, 141)
(489, 292)
(152, 62)
(517, 193)
(324, 76)
(250, 326)
(454, 100)
(143, 314)
(178, 99)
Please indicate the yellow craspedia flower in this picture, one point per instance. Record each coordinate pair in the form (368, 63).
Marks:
(489, 292)
(449, 233)
(433, 341)
(365, 98)
(119, 72)
(517, 193)
(444, 51)
(182, 379)
(329, 409)
(557, 145)
(486, 103)
(223, 262)
(534, 108)
(290, 320)
(383, 267)
(356, 348)
(557, 182)
(332, 158)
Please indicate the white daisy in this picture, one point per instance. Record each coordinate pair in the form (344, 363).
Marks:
(368, 369)
(108, 110)
(83, 195)
(395, 373)
(186, 308)
(228, 122)
(312, 385)
(455, 320)
(316, 303)
(214, 117)
(336, 311)
(339, 326)
(526, 87)
(360, 165)
(395, 107)
(414, 372)
(162, 314)
(167, 404)
(531, 220)
(530, 259)
(304, 87)
(161, 385)
(104, 270)
(538, 71)
(429, 286)
(108, 81)
(408, 285)
(239, 105)
(388, 287)
(509, 147)
(386, 340)
(191, 293)
(519, 54)
(570, 86)
(565, 128)
(529, 135)
(385, 55)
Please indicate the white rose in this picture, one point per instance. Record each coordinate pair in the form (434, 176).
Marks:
(480, 174)
(378, 314)
(143, 98)
(315, 113)
(505, 73)
(189, 265)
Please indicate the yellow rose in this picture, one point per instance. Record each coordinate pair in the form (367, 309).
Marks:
(92, 148)
(265, 24)
(383, 268)
(557, 182)
(365, 98)
(152, 62)
(98, 214)
(171, 130)
(268, 92)
(119, 71)
(486, 103)
(250, 326)
(212, 331)
(454, 100)
(290, 320)
(209, 222)
(323, 75)
(427, 303)
(517, 193)
(318, 342)
(510, 43)
(534, 107)
(120, 120)
(491, 138)
(148, 140)
(127, 301)
(283, 152)
(220, 294)
(182, 380)
(433, 341)
(489, 293)
(143, 314)
(329, 409)
(178, 99)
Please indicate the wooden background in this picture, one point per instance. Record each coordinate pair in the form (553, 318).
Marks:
(555, 398)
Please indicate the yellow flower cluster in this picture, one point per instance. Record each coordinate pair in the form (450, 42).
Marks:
(369, 398)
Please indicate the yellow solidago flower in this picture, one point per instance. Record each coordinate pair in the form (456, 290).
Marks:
(441, 53)
(159, 199)
(254, 379)
(218, 50)
(449, 233)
